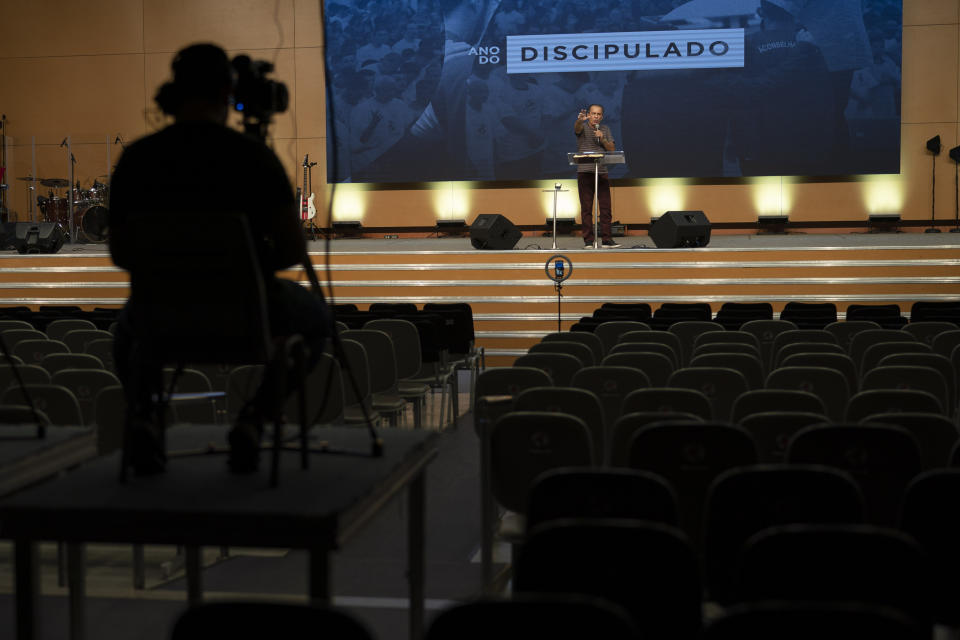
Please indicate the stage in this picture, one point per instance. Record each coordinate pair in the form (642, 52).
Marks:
(515, 303)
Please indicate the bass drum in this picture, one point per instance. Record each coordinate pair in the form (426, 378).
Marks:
(91, 223)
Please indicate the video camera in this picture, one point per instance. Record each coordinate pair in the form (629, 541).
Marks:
(256, 97)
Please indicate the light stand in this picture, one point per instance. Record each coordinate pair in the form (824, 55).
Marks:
(933, 146)
(558, 268)
(955, 156)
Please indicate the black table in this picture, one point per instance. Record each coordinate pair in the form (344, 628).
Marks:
(26, 459)
(198, 502)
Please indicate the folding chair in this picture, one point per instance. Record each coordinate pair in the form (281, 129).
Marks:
(385, 398)
(406, 344)
(561, 367)
(85, 385)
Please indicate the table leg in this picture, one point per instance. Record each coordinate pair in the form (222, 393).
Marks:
(191, 554)
(416, 524)
(77, 587)
(27, 567)
(319, 576)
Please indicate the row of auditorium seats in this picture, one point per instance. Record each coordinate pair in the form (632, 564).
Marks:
(69, 364)
(557, 615)
(776, 490)
(806, 315)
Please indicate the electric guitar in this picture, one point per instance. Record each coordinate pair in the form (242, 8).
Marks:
(307, 209)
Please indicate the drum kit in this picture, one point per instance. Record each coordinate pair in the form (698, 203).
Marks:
(90, 213)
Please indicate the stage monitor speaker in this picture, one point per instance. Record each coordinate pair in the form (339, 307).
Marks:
(37, 237)
(493, 231)
(681, 229)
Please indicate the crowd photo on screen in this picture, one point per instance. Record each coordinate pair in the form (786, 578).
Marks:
(483, 90)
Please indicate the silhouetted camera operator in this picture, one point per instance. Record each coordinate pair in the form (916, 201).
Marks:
(198, 164)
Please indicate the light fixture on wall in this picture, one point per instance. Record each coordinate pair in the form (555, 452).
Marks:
(933, 146)
(955, 156)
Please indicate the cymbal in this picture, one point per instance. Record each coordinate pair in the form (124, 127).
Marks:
(55, 183)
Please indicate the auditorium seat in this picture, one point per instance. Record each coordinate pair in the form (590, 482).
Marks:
(837, 563)
(926, 331)
(668, 399)
(838, 361)
(931, 514)
(747, 364)
(57, 361)
(657, 367)
(568, 400)
(687, 331)
(721, 385)
(590, 493)
(610, 384)
(56, 401)
(648, 347)
(251, 619)
(532, 616)
(936, 434)
(844, 331)
(827, 384)
(589, 339)
(882, 458)
(580, 351)
(610, 332)
(85, 384)
(743, 501)
(909, 377)
(649, 569)
(866, 402)
(771, 431)
(801, 620)
(766, 331)
(57, 329)
(689, 456)
(559, 366)
(788, 350)
(618, 449)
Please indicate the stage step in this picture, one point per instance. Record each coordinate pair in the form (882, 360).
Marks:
(514, 302)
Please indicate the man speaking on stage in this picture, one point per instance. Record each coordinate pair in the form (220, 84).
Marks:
(593, 137)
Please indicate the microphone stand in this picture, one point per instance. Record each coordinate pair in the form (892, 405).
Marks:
(933, 197)
(956, 201)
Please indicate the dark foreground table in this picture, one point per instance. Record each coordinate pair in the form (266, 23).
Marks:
(198, 502)
(26, 459)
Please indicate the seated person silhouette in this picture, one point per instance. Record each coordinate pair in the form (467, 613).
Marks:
(199, 164)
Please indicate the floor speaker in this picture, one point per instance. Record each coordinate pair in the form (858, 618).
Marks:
(37, 237)
(681, 229)
(493, 231)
